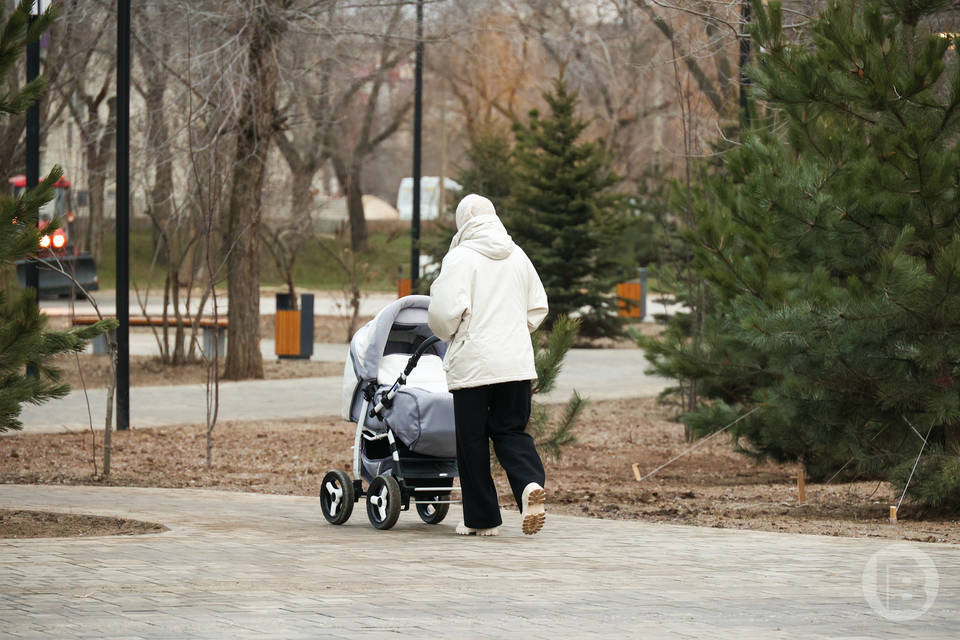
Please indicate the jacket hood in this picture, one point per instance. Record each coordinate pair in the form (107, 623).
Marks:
(472, 206)
(483, 233)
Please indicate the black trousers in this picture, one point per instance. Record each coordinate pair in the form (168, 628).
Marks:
(497, 412)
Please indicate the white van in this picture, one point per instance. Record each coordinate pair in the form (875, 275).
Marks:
(429, 197)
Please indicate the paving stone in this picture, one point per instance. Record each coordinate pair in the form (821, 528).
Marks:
(239, 565)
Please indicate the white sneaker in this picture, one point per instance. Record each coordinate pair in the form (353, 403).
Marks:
(464, 530)
(533, 508)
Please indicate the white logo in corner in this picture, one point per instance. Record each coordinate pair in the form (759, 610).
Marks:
(900, 582)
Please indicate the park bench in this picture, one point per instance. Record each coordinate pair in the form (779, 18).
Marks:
(214, 331)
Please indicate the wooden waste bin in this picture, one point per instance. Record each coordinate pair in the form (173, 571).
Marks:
(632, 298)
(293, 330)
(403, 287)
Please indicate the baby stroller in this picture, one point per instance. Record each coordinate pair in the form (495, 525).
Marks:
(395, 390)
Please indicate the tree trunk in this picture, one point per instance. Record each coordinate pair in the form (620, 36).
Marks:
(301, 210)
(158, 142)
(358, 223)
(301, 195)
(161, 200)
(179, 356)
(97, 183)
(255, 130)
(349, 180)
(165, 340)
(98, 151)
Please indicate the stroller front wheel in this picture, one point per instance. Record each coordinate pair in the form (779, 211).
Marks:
(336, 496)
(383, 501)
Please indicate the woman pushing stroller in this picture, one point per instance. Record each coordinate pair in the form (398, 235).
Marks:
(486, 301)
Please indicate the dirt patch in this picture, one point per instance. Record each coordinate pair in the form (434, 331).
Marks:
(150, 371)
(713, 486)
(44, 524)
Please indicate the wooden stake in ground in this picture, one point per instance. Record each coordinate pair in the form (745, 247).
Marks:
(801, 487)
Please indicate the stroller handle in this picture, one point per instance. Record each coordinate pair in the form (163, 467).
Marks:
(415, 358)
(387, 399)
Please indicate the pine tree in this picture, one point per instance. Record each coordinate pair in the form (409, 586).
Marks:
(830, 248)
(487, 172)
(23, 339)
(489, 169)
(551, 436)
(563, 213)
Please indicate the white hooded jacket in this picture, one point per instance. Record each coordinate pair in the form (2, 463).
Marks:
(486, 301)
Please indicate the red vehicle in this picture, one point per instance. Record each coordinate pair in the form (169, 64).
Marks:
(56, 248)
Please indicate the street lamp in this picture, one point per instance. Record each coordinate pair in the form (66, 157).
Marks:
(417, 130)
(123, 214)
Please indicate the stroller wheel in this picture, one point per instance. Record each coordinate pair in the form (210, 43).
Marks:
(336, 496)
(383, 501)
(433, 513)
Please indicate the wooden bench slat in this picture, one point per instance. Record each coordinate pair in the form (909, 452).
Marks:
(142, 321)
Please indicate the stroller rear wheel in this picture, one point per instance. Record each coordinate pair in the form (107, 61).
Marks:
(433, 513)
(383, 501)
(336, 496)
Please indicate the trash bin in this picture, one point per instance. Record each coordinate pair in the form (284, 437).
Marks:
(632, 297)
(403, 284)
(294, 329)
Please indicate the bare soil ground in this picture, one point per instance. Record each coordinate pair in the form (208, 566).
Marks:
(712, 486)
(43, 524)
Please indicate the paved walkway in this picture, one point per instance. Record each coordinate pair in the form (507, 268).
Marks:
(596, 373)
(235, 565)
(239, 565)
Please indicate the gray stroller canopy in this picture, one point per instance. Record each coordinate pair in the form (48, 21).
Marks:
(403, 320)
(408, 314)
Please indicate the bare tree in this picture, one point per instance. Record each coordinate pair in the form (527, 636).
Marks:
(494, 71)
(175, 214)
(611, 52)
(363, 122)
(722, 28)
(50, 106)
(86, 88)
(357, 273)
(284, 241)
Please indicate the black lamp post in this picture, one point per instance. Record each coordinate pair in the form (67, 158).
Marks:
(417, 129)
(123, 214)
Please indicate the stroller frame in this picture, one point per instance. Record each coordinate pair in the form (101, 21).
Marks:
(426, 482)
